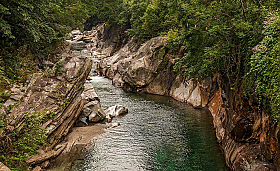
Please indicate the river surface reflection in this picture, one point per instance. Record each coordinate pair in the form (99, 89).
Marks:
(158, 133)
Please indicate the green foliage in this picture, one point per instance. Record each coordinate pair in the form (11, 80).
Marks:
(264, 75)
(58, 67)
(214, 37)
(31, 30)
(27, 138)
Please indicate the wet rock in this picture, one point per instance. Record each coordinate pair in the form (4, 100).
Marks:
(115, 111)
(3, 167)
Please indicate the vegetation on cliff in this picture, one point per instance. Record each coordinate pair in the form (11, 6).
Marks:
(215, 37)
(239, 40)
(30, 32)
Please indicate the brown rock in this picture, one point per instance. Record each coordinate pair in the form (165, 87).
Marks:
(3, 167)
(39, 158)
(37, 168)
(46, 164)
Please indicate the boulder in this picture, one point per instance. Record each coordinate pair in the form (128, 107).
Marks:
(97, 116)
(139, 67)
(89, 93)
(115, 111)
(93, 112)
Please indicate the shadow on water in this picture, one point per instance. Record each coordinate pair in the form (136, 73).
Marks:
(158, 133)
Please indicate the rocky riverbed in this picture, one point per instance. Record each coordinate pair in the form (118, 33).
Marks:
(65, 100)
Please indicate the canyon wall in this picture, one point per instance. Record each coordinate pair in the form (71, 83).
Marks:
(247, 135)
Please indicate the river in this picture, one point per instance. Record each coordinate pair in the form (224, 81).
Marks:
(158, 133)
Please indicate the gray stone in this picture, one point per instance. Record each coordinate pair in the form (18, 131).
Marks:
(181, 90)
(115, 111)
(195, 99)
(89, 93)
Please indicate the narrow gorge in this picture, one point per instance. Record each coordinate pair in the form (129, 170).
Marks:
(247, 135)
(139, 85)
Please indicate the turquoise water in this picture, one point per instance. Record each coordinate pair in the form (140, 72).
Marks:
(158, 133)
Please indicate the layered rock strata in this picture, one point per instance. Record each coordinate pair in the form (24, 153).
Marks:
(56, 96)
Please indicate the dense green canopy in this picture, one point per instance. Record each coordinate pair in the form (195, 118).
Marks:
(215, 37)
(236, 39)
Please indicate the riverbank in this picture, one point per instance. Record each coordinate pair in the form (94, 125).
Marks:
(240, 128)
(38, 116)
(158, 133)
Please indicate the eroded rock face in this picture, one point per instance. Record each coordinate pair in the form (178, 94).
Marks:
(138, 67)
(248, 137)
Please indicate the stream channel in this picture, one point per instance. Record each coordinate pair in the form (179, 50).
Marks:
(158, 133)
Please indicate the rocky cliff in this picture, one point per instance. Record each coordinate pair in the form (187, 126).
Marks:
(247, 135)
(51, 101)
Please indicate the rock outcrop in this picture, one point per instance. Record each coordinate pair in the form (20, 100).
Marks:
(3, 167)
(247, 135)
(92, 110)
(55, 96)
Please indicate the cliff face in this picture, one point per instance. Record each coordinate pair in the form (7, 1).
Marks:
(247, 135)
(51, 101)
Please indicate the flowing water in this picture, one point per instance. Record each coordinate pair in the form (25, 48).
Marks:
(158, 133)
